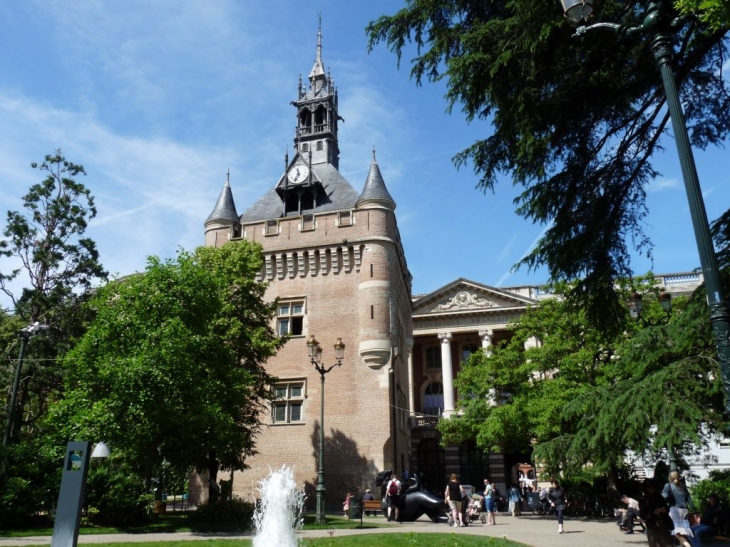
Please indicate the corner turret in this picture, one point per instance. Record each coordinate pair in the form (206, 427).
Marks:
(375, 194)
(223, 218)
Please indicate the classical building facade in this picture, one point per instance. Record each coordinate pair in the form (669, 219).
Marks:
(334, 260)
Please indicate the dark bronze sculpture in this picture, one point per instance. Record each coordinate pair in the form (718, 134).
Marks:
(414, 501)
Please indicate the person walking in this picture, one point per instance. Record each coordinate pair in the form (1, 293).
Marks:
(556, 496)
(489, 501)
(655, 512)
(392, 498)
(514, 497)
(455, 494)
(678, 499)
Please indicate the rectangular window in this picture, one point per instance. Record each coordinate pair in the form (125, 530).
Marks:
(319, 145)
(433, 358)
(344, 218)
(307, 223)
(272, 227)
(305, 147)
(287, 405)
(290, 317)
(467, 350)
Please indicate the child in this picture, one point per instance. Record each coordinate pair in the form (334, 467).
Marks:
(346, 505)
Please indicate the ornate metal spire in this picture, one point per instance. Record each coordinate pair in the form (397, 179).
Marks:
(318, 68)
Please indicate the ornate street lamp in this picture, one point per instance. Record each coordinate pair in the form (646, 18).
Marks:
(315, 356)
(657, 26)
(635, 304)
(24, 335)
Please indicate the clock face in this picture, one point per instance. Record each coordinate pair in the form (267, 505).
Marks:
(298, 174)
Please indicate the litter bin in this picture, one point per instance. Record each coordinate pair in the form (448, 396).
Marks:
(355, 509)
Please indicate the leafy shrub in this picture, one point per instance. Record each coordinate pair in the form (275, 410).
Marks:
(226, 511)
(116, 496)
(718, 482)
(30, 483)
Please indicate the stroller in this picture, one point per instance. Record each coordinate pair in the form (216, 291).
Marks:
(470, 511)
(473, 509)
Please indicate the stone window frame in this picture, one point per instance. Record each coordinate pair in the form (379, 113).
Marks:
(308, 223)
(290, 394)
(432, 410)
(271, 228)
(294, 321)
(344, 218)
(434, 363)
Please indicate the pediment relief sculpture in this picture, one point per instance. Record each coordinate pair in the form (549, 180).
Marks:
(464, 300)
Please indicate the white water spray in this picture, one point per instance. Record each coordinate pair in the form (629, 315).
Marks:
(280, 511)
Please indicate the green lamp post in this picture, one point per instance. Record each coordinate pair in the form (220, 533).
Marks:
(315, 356)
(657, 26)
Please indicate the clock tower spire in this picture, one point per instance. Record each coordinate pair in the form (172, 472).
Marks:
(317, 116)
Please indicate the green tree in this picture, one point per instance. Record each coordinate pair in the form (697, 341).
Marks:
(48, 243)
(514, 398)
(575, 123)
(715, 13)
(59, 266)
(663, 391)
(171, 367)
(581, 396)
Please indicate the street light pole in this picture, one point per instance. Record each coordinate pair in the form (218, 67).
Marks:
(315, 356)
(24, 335)
(657, 26)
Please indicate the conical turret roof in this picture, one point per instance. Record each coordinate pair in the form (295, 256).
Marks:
(225, 208)
(375, 191)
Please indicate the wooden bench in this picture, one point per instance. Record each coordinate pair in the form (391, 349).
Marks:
(371, 505)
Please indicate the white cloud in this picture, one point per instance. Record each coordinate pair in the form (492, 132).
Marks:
(661, 184)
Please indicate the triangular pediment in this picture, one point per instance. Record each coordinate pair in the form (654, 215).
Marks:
(463, 296)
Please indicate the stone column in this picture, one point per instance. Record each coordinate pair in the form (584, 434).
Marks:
(447, 373)
(486, 336)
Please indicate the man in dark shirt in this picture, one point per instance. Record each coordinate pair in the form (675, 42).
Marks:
(368, 496)
(710, 521)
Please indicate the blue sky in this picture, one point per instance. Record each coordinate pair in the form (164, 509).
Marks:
(159, 98)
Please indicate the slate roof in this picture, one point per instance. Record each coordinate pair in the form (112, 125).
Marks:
(225, 207)
(338, 195)
(375, 190)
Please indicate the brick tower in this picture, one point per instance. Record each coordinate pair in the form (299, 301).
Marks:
(335, 262)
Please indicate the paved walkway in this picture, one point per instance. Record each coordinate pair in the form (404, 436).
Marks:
(531, 530)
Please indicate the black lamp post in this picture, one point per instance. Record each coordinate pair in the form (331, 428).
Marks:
(657, 26)
(315, 356)
(24, 336)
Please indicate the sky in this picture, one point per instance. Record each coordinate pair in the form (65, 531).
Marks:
(158, 99)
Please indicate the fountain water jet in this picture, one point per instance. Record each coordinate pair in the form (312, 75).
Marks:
(280, 511)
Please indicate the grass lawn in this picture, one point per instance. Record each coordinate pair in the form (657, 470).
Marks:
(364, 540)
(179, 522)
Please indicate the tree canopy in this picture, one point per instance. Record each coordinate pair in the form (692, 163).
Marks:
(48, 242)
(576, 123)
(171, 367)
(582, 396)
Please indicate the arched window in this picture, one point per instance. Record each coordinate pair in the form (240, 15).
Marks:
(433, 399)
(473, 464)
(432, 466)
